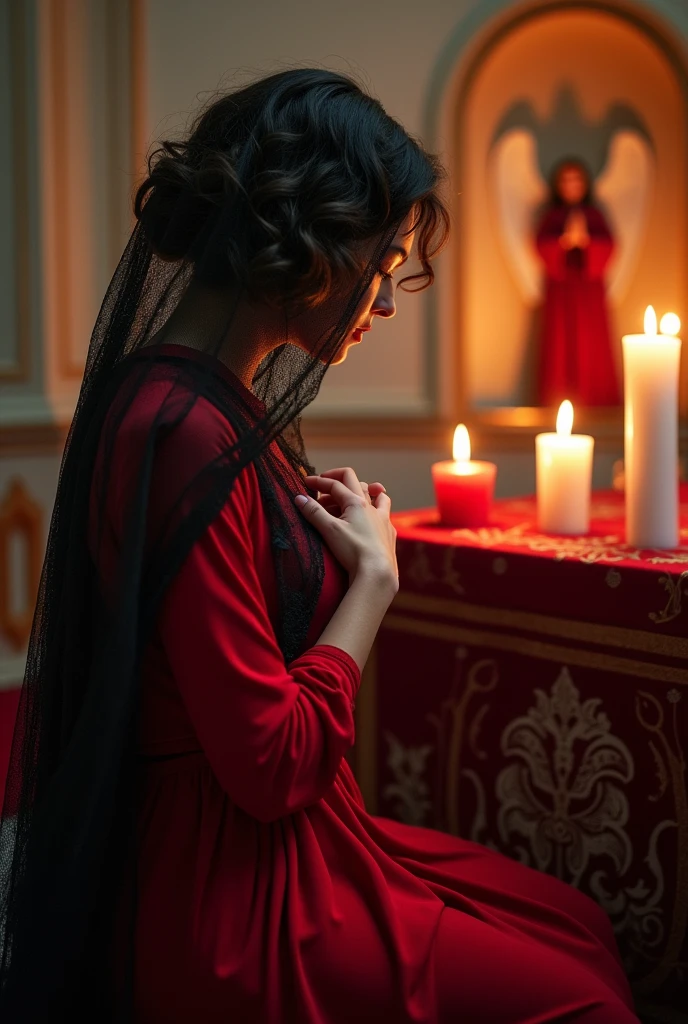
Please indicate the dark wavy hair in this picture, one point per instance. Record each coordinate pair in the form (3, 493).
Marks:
(326, 169)
(563, 165)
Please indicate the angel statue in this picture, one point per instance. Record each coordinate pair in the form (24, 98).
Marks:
(570, 258)
(575, 244)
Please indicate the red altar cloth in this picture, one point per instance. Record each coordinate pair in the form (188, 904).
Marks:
(529, 692)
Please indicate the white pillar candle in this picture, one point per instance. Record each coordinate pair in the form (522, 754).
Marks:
(564, 477)
(651, 374)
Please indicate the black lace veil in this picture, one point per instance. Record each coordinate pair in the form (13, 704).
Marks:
(70, 800)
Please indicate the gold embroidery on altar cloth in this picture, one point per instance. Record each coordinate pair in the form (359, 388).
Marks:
(420, 572)
(650, 713)
(567, 801)
(407, 765)
(563, 793)
(673, 607)
(538, 798)
(588, 549)
(450, 724)
(613, 579)
(559, 793)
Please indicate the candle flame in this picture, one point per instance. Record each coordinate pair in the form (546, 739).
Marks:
(650, 321)
(669, 324)
(565, 418)
(462, 444)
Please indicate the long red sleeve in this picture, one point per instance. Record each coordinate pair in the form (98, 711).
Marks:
(274, 735)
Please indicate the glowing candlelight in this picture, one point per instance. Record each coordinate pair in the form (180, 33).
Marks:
(669, 324)
(461, 448)
(564, 477)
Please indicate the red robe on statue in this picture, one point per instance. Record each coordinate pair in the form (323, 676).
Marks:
(266, 893)
(576, 359)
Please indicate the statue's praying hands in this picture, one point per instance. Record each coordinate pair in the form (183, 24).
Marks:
(575, 234)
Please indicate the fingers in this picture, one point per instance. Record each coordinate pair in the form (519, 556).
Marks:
(383, 504)
(313, 511)
(339, 492)
(372, 489)
(373, 492)
(343, 495)
(344, 475)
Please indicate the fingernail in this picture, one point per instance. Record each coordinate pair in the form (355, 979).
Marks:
(301, 499)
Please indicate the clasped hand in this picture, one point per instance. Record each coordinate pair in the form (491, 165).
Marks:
(353, 518)
(575, 234)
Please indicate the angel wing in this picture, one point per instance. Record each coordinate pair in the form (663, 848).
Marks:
(625, 189)
(518, 189)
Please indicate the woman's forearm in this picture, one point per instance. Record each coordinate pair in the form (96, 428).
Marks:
(354, 625)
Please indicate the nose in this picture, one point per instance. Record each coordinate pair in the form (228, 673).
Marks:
(384, 304)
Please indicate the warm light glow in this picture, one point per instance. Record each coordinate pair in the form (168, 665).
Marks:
(565, 418)
(669, 324)
(650, 321)
(462, 444)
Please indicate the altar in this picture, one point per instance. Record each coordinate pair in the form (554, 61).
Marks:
(529, 692)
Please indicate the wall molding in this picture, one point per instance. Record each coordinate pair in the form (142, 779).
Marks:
(91, 85)
(22, 440)
(20, 370)
(138, 92)
(19, 513)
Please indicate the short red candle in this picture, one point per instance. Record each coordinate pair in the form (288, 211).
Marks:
(464, 488)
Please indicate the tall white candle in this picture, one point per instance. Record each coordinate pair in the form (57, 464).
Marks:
(651, 369)
(564, 477)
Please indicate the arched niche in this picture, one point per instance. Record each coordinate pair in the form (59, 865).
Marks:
(583, 62)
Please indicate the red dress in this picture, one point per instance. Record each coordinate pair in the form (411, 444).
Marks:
(266, 892)
(576, 359)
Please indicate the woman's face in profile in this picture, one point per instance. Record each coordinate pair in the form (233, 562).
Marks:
(377, 301)
(571, 185)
